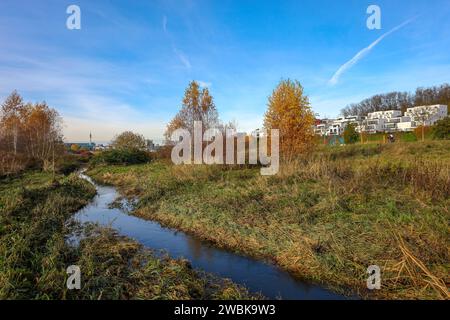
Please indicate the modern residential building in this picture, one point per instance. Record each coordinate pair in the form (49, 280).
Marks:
(384, 121)
(423, 115)
(321, 127)
(100, 147)
(336, 127)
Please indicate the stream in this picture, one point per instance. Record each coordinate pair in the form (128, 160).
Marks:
(256, 275)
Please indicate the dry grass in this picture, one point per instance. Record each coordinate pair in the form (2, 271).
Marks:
(417, 271)
(326, 218)
(34, 253)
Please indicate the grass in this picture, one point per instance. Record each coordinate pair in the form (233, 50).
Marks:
(325, 218)
(34, 252)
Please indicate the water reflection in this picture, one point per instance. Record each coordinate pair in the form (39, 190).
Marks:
(255, 275)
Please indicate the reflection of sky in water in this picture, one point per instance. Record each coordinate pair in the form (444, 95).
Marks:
(255, 275)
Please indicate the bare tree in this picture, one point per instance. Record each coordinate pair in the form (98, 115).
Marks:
(400, 100)
(421, 116)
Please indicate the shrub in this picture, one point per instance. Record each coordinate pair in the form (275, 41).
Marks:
(350, 134)
(69, 163)
(163, 152)
(12, 164)
(441, 130)
(121, 156)
(423, 132)
(129, 141)
(75, 148)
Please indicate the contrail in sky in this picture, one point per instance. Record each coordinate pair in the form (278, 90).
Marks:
(334, 80)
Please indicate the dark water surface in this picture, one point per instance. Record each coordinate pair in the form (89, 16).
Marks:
(256, 275)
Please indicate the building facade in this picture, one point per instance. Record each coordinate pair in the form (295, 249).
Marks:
(384, 121)
(336, 127)
(423, 116)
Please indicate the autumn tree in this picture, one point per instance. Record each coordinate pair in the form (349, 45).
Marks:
(289, 111)
(350, 134)
(30, 131)
(174, 124)
(197, 105)
(75, 148)
(129, 140)
(43, 134)
(12, 111)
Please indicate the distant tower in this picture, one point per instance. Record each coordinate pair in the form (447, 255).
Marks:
(90, 138)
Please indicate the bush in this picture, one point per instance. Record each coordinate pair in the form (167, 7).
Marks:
(11, 164)
(122, 156)
(441, 130)
(164, 152)
(129, 141)
(350, 134)
(69, 163)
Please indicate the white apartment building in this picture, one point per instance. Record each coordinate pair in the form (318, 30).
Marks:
(334, 127)
(321, 127)
(422, 115)
(385, 121)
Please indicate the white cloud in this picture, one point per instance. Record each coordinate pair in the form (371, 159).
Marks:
(346, 66)
(204, 84)
(87, 95)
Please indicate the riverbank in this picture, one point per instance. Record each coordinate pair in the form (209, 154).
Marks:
(34, 251)
(325, 218)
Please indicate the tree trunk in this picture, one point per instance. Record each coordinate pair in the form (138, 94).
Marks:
(15, 140)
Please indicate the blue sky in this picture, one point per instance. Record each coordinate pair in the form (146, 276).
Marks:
(128, 67)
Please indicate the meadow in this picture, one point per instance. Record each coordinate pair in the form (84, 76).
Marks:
(325, 217)
(35, 225)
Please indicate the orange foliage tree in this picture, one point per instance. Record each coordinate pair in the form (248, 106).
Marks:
(44, 140)
(289, 111)
(197, 105)
(29, 131)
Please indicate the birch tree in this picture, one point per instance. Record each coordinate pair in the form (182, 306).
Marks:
(197, 105)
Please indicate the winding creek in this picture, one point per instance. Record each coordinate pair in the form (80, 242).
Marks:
(256, 275)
